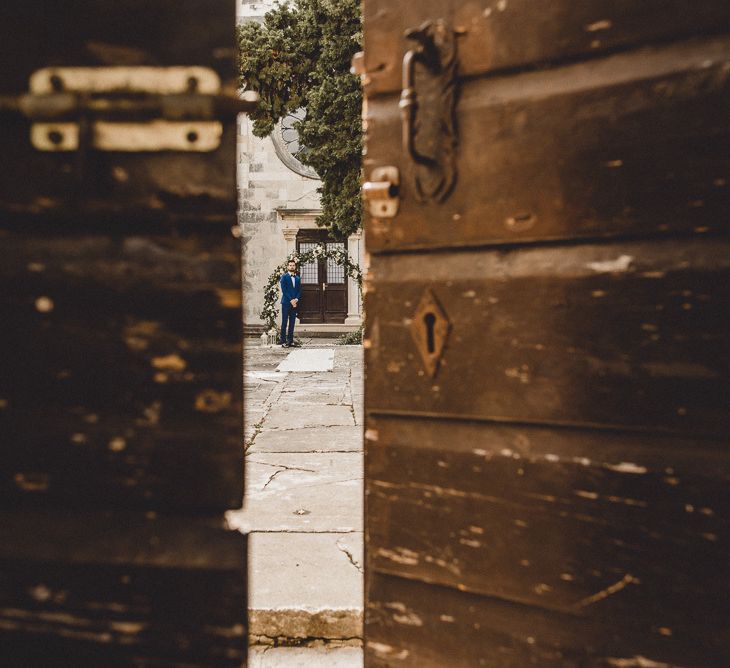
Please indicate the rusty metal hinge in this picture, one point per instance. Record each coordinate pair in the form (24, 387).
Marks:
(128, 108)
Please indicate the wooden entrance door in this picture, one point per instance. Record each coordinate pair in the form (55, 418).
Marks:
(547, 400)
(120, 379)
(324, 283)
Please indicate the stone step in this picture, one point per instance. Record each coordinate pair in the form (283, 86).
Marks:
(303, 515)
(305, 587)
(305, 657)
(303, 509)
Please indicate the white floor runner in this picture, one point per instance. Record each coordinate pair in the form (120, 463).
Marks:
(309, 359)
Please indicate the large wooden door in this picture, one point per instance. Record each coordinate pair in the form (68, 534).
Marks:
(120, 363)
(324, 282)
(547, 400)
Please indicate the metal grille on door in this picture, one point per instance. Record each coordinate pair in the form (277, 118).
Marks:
(309, 271)
(335, 272)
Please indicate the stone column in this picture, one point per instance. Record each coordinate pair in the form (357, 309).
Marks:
(290, 236)
(356, 252)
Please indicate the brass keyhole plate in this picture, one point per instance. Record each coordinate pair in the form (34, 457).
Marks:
(430, 331)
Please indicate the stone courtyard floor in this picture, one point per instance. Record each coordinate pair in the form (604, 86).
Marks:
(303, 508)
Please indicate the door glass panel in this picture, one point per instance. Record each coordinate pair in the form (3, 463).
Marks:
(308, 271)
(335, 272)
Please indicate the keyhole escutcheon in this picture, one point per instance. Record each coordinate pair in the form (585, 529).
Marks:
(430, 330)
(430, 321)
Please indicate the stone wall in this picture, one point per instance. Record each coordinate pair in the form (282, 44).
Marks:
(265, 185)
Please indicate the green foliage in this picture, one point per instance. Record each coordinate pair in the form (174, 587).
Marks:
(353, 338)
(300, 57)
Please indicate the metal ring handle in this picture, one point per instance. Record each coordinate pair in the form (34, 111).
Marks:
(409, 107)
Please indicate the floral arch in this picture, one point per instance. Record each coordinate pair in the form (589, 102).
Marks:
(270, 312)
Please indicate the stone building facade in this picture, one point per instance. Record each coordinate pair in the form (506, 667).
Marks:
(278, 206)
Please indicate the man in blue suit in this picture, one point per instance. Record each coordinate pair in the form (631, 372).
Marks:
(291, 292)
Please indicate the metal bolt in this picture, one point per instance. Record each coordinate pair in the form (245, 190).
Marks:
(56, 83)
(55, 137)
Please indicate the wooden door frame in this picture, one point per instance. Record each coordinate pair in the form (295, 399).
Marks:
(293, 220)
(319, 235)
(310, 237)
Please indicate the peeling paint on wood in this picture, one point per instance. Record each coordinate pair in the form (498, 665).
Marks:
(541, 140)
(539, 501)
(120, 378)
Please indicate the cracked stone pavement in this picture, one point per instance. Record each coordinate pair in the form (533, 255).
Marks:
(303, 507)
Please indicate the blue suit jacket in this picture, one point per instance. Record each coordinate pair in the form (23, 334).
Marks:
(289, 291)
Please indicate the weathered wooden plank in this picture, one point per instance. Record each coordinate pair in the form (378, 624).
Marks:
(546, 432)
(625, 335)
(509, 34)
(91, 536)
(103, 32)
(415, 624)
(163, 186)
(121, 380)
(631, 144)
(555, 518)
(121, 589)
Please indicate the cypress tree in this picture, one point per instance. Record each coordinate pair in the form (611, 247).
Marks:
(299, 58)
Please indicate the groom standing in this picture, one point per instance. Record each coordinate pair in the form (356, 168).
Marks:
(291, 292)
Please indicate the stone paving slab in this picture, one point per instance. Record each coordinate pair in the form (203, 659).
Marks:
(358, 411)
(305, 657)
(309, 439)
(309, 359)
(318, 396)
(262, 377)
(304, 501)
(302, 492)
(318, 382)
(298, 416)
(258, 393)
(252, 420)
(322, 592)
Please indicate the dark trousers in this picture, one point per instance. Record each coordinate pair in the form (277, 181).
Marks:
(288, 316)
